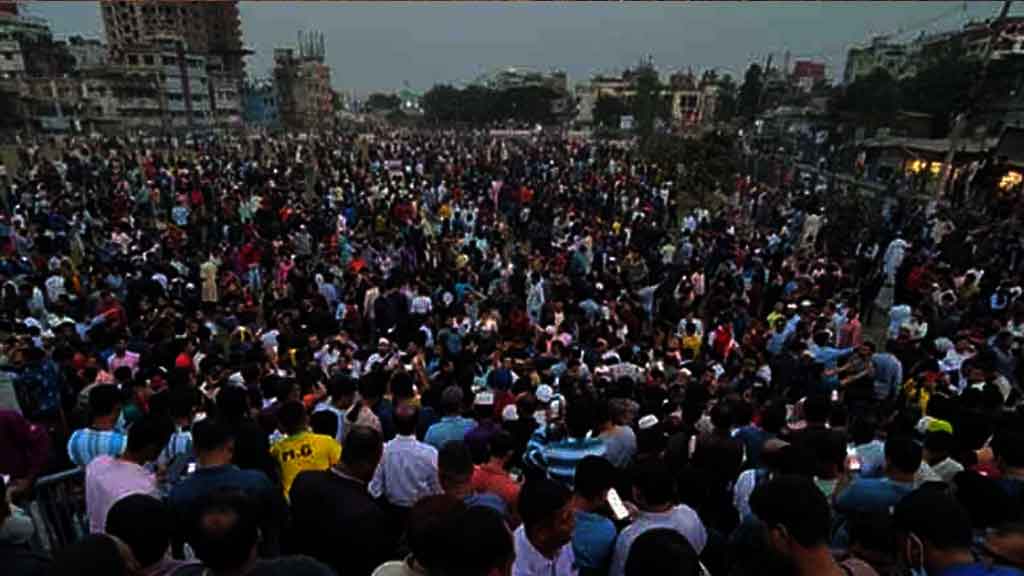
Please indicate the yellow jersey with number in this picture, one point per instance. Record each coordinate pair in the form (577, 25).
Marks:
(304, 451)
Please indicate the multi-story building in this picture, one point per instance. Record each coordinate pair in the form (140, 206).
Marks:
(893, 57)
(303, 84)
(260, 104)
(207, 33)
(692, 101)
(88, 53)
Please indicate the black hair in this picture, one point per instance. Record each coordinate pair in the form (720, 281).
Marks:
(797, 504)
(540, 499)
(483, 544)
(934, 516)
(152, 432)
(816, 409)
(594, 476)
(773, 416)
(579, 417)
(93, 554)
(129, 514)
(938, 441)
(225, 530)
(863, 429)
(324, 422)
(362, 446)
(432, 521)
(406, 418)
(903, 454)
(103, 400)
(455, 461)
(501, 444)
(211, 434)
(341, 385)
(291, 416)
(662, 551)
(655, 482)
(181, 401)
(232, 402)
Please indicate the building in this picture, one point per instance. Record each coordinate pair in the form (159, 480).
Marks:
(807, 74)
(206, 32)
(303, 84)
(692, 102)
(87, 53)
(893, 57)
(260, 104)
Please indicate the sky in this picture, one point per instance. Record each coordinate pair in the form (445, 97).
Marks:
(375, 46)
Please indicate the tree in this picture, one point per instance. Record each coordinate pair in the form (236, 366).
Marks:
(608, 110)
(871, 101)
(750, 93)
(380, 102)
(648, 105)
(441, 104)
(942, 86)
(725, 109)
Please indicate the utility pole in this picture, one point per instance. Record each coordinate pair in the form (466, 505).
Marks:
(963, 118)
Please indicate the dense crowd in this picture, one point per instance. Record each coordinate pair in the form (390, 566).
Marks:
(450, 354)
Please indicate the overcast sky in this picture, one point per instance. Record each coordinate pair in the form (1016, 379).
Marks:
(381, 45)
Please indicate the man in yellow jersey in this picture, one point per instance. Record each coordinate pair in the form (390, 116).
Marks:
(301, 450)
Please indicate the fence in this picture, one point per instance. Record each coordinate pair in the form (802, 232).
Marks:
(59, 509)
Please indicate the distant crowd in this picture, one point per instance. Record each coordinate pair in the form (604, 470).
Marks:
(448, 354)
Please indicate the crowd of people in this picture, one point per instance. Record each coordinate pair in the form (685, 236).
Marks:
(407, 353)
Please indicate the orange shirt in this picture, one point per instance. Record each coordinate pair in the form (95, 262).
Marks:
(491, 478)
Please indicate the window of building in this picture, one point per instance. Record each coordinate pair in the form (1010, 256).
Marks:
(148, 59)
(133, 59)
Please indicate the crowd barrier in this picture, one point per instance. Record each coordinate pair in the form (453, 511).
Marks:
(59, 509)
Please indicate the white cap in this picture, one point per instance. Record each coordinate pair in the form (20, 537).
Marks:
(544, 393)
(510, 413)
(647, 422)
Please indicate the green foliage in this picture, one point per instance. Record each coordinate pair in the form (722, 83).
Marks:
(478, 105)
(608, 110)
(698, 166)
(725, 110)
(749, 101)
(379, 102)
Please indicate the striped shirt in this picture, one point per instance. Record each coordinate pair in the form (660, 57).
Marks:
(86, 444)
(559, 459)
(180, 443)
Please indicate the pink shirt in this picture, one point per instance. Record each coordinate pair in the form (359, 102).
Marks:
(107, 480)
(130, 359)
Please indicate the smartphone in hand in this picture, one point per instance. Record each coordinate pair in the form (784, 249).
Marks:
(619, 510)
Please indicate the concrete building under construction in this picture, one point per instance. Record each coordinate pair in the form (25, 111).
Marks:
(303, 83)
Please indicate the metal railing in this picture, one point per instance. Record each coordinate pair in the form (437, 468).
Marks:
(59, 509)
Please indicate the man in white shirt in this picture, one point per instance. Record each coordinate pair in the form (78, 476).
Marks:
(655, 497)
(543, 542)
(408, 468)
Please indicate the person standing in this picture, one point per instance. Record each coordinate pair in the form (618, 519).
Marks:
(408, 467)
(334, 518)
(109, 478)
(100, 437)
(301, 449)
(543, 543)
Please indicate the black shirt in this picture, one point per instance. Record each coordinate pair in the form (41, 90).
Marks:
(336, 522)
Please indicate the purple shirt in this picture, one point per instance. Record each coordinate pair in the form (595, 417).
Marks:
(107, 480)
(479, 439)
(24, 446)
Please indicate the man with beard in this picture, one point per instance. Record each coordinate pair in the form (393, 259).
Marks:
(795, 520)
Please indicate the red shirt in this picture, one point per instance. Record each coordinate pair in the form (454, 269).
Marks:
(490, 478)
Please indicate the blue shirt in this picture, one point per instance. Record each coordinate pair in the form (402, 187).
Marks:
(448, 429)
(86, 444)
(487, 500)
(829, 358)
(978, 569)
(593, 541)
(872, 495)
(206, 480)
(559, 459)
